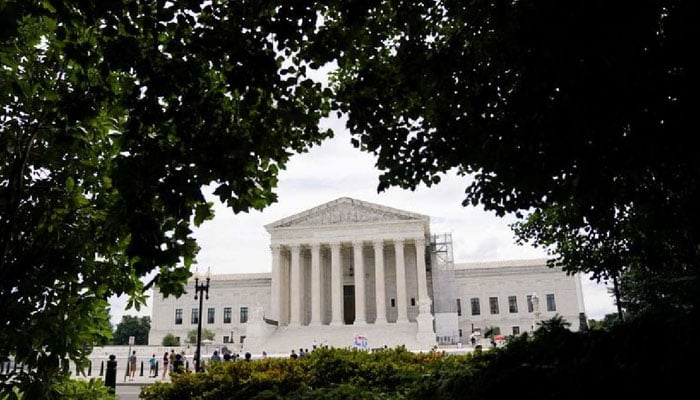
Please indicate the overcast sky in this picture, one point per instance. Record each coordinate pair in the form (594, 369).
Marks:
(239, 243)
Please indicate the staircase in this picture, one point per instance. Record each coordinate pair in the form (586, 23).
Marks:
(285, 338)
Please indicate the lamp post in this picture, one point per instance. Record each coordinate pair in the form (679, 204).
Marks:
(200, 290)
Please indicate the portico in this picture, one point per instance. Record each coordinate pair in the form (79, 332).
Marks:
(349, 262)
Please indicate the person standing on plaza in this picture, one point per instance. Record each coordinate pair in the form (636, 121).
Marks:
(166, 363)
(152, 362)
(132, 365)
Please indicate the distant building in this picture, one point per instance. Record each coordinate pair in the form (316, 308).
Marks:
(349, 268)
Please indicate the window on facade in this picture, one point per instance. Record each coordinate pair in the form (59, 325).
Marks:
(476, 308)
(512, 304)
(530, 308)
(393, 302)
(226, 339)
(210, 315)
(493, 305)
(413, 301)
(242, 339)
(227, 315)
(460, 333)
(551, 305)
(459, 307)
(244, 315)
(178, 316)
(516, 330)
(195, 316)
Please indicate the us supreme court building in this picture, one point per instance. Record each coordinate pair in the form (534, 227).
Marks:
(349, 268)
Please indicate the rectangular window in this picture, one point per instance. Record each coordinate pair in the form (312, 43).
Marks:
(178, 316)
(551, 305)
(195, 316)
(393, 302)
(210, 315)
(227, 315)
(530, 307)
(493, 305)
(226, 339)
(460, 333)
(476, 308)
(459, 307)
(512, 304)
(244, 315)
(242, 339)
(413, 301)
(516, 330)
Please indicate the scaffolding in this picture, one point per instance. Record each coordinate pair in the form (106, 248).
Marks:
(442, 270)
(442, 267)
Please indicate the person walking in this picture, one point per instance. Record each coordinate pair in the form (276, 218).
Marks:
(166, 363)
(172, 359)
(132, 365)
(152, 361)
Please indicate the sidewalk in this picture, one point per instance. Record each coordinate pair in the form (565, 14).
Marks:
(141, 380)
(137, 381)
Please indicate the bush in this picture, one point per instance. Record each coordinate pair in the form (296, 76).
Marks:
(324, 374)
(66, 389)
(170, 340)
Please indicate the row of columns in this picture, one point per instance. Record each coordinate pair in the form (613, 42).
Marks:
(296, 284)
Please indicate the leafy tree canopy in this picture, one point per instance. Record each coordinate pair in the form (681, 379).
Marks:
(138, 327)
(573, 115)
(114, 115)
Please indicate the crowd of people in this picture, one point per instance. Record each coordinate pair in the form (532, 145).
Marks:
(172, 361)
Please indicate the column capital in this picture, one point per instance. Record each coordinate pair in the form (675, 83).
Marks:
(275, 247)
(315, 245)
(295, 247)
(420, 241)
(335, 244)
(358, 243)
(399, 241)
(378, 242)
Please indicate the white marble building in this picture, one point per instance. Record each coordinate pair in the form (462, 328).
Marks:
(349, 268)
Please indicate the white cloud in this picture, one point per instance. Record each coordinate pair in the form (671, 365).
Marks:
(239, 243)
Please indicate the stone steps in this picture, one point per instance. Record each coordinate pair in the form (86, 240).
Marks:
(285, 338)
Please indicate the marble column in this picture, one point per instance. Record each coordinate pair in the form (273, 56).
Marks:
(358, 260)
(276, 298)
(336, 285)
(315, 284)
(295, 286)
(380, 292)
(401, 303)
(420, 263)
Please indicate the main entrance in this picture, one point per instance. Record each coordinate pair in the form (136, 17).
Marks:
(349, 304)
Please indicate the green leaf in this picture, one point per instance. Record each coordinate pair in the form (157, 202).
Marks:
(70, 184)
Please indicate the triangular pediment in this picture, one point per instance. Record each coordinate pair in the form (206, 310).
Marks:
(345, 211)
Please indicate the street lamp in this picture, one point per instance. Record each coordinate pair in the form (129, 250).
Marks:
(201, 290)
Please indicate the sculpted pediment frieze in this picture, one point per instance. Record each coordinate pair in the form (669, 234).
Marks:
(345, 211)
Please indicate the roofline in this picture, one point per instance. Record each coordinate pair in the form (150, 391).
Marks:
(341, 200)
